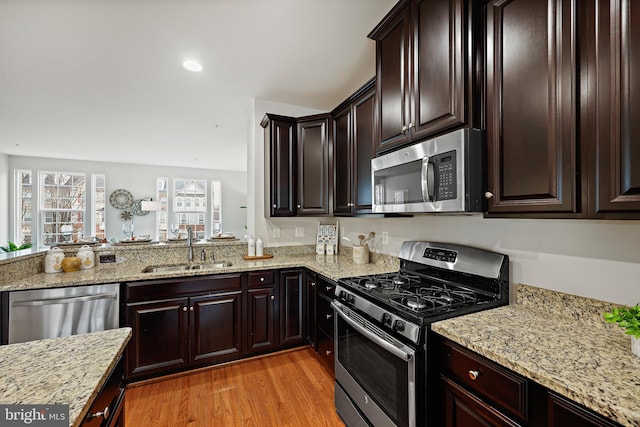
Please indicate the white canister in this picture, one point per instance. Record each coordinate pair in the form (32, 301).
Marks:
(251, 246)
(53, 260)
(87, 258)
(259, 247)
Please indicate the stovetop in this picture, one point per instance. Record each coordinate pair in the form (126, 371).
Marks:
(435, 281)
(414, 295)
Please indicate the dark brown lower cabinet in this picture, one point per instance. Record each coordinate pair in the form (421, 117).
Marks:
(261, 319)
(216, 327)
(477, 392)
(292, 298)
(182, 323)
(563, 412)
(107, 410)
(324, 322)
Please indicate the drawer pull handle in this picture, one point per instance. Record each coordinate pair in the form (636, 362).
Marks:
(474, 374)
(328, 316)
(272, 297)
(328, 352)
(262, 279)
(104, 414)
(184, 308)
(328, 288)
(191, 308)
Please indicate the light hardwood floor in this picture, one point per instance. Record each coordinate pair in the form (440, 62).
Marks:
(285, 389)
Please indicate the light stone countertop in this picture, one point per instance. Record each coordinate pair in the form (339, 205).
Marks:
(566, 349)
(332, 267)
(69, 370)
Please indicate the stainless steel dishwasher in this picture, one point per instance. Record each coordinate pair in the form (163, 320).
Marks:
(60, 312)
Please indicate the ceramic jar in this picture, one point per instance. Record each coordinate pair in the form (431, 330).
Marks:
(53, 260)
(361, 254)
(87, 258)
(71, 264)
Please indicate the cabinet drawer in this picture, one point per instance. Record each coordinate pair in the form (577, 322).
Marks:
(326, 288)
(485, 378)
(325, 315)
(262, 278)
(109, 402)
(325, 351)
(169, 288)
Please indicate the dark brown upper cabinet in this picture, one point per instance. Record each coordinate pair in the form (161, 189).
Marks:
(531, 109)
(353, 149)
(614, 55)
(297, 165)
(424, 53)
(560, 102)
(280, 164)
(313, 178)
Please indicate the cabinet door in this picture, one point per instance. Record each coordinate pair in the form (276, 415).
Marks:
(159, 339)
(531, 98)
(313, 167)
(439, 67)
(261, 334)
(280, 139)
(291, 307)
(463, 409)
(342, 162)
(363, 151)
(617, 152)
(310, 310)
(216, 327)
(392, 79)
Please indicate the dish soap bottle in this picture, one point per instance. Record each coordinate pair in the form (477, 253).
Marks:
(259, 247)
(252, 246)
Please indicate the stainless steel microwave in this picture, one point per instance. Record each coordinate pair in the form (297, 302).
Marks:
(443, 174)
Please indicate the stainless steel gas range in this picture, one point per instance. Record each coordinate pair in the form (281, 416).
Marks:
(383, 374)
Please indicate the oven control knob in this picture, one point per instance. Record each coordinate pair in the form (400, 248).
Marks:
(386, 319)
(351, 299)
(342, 295)
(398, 326)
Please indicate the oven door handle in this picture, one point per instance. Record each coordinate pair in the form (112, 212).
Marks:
(401, 351)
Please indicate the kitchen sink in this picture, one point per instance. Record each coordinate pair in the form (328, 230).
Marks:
(186, 267)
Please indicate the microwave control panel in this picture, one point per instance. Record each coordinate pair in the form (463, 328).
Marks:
(446, 173)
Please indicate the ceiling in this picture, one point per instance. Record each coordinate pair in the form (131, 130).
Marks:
(103, 79)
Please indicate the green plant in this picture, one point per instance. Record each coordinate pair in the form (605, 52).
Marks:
(627, 318)
(11, 247)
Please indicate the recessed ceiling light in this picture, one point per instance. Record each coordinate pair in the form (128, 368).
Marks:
(191, 65)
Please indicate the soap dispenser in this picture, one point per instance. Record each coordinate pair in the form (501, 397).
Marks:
(252, 246)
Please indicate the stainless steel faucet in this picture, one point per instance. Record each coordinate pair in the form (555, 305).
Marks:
(190, 243)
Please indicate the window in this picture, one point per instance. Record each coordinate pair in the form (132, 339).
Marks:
(25, 202)
(216, 207)
(161, 216)
(99, 198)
(62, 206)
(188, 204)
(191, 205)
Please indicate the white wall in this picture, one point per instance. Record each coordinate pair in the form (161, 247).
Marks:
(4, 199)
(140, 181)
(596, 259)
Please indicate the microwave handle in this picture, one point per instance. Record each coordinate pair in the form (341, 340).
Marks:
(428, 180)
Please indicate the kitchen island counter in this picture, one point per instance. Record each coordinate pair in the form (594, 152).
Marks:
(69, 370)
(561, 342)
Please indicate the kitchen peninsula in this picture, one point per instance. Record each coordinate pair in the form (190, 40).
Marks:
(69, 370)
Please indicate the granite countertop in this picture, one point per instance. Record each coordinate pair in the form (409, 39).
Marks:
(69, 370)
(577, 355)
(332, 267)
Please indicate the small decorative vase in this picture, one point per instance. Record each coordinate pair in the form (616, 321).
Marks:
(635, 346)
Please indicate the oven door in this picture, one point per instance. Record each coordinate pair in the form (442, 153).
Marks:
(375, 370)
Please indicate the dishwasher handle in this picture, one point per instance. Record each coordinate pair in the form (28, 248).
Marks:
(65, 300)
